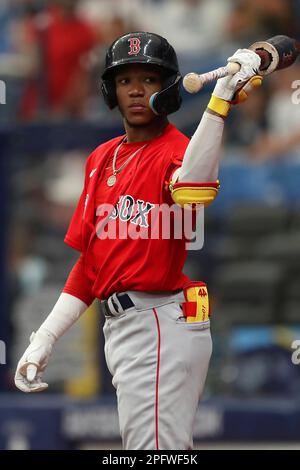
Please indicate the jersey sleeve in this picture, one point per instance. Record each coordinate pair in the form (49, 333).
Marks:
(77, 283)
(175, 163)
(73, 236)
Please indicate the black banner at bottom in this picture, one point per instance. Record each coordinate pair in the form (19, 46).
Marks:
(133, 459)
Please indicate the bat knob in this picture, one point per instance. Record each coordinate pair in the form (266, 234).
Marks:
(192, 83)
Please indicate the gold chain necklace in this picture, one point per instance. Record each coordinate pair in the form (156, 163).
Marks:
(113, 178)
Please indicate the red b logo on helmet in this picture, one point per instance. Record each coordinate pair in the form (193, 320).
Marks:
(135, 46)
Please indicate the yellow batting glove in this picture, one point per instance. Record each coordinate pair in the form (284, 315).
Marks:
(243, 94)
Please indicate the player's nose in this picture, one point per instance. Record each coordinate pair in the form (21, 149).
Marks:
(137, 89)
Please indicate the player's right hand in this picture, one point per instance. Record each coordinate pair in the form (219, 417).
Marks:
(227, 87)
(30, 368)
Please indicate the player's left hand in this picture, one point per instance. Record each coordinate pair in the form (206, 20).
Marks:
(236, 88)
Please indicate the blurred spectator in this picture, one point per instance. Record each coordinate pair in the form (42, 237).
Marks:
(18, 54)
(4, 26)
(282, 137)
(270, 146)
(113, 17)
(61, 82)
(42, 210)
(254, 20)
(247, 122)
(191, 26)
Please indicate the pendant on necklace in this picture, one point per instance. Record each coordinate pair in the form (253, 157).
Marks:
(111, 180)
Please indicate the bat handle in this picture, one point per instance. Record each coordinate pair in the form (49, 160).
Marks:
(233, 68)
(230, 69)
(193, 82)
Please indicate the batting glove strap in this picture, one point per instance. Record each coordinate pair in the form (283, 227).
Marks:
(243, 94)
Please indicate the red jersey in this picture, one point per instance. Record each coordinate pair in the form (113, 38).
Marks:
(120, 263)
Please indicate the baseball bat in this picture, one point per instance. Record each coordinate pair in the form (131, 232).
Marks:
(276, 53)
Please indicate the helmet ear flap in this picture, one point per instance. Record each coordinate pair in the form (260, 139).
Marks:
(109, 93)
(153, 103)
(168, 100)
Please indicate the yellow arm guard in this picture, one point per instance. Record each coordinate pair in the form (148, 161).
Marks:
(194, 193)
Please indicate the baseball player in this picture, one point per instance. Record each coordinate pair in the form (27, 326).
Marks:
(157, 329)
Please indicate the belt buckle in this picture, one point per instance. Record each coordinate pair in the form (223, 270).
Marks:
(105, 309)
(110, 307)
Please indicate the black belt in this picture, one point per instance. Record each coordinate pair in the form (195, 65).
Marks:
(124, 300)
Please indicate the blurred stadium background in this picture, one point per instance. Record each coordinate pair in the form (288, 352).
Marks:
(51, 56)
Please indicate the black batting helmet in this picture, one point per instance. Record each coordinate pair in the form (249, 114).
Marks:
(144, 48)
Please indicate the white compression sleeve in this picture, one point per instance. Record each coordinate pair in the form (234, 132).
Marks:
(64, 314)
(201, 159)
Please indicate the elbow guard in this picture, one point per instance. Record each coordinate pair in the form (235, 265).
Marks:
(194, 193)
